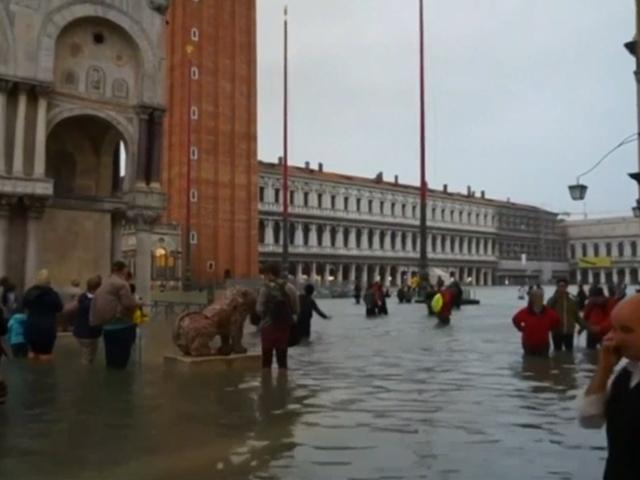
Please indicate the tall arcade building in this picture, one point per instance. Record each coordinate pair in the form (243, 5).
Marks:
(210, 168)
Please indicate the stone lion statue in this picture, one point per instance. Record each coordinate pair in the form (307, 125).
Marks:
(194, 332)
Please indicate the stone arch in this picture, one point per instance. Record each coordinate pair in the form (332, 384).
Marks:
(60, 17)
(117, 121)
(83, 155)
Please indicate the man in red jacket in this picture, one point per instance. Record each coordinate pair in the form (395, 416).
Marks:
(536, 322)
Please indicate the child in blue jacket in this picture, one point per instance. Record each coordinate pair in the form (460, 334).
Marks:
(18, 343)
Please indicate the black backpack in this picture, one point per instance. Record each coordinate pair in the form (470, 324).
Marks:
(278, 304)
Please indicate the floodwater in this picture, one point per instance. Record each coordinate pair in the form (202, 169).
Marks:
(386, 398)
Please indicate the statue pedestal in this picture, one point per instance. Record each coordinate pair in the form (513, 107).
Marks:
(248, 360)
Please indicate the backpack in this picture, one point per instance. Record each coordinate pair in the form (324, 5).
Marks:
(278, 304)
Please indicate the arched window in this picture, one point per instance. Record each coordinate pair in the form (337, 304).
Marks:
(621, 249)
(596, 249)
(634, 249)
(163, 265)
(261, 230)
(572, 251)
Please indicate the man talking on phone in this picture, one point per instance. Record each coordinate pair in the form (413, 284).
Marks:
(616, 401)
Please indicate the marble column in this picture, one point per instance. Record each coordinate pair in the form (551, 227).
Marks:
(326, 236)
(143, 220)
(5, 210)
(376, 240)
(299, 272)
(340, 237)
(268, 232)
(590, 276)
(156, 139)
(398, 278)
(313, 275)
(18, 139)
(352, 239)
(376, 273)
(35, 211)
(387, 240)
(313, 235)
(352, 273)
(297, 239)
(627, 276)
(142, 154)
(40, 155)
(326, 275)
(5, 85)
(384, 275)
(339, 278)
(117, 219)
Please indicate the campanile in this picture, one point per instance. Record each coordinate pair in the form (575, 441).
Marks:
(210, 154)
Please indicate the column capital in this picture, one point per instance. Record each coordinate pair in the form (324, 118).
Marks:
(35, 206)
(157, 114)
(43, 89)
(142, 218)
(143, 111)
(5, 85)
(6, 203)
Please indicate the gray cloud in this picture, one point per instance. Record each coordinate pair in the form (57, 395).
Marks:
(522, 95)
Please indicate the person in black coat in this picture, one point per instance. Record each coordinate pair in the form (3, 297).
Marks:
(42, 304)
(615, 403)
(307, 306)
(86, 334)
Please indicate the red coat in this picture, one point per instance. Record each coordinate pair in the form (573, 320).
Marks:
(596, 313)
(536, 327)
(448, 296)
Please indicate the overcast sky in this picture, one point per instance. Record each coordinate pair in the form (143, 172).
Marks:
(523, 95)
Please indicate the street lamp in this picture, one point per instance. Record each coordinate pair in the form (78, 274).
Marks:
(578, 190)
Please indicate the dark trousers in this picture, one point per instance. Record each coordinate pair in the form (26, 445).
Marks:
(275, 338)
(117, 346)
(19, 350)
(562, 340)
(539, 351)
(593, 341)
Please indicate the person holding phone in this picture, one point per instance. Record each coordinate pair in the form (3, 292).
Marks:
(613, 397)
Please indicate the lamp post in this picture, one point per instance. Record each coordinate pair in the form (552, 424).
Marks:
(285, 153)
(423, 266)
(632, 48)
(578, 191)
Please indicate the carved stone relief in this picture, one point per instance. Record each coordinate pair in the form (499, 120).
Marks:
(70, 80)
(95, 80)
(120, 88)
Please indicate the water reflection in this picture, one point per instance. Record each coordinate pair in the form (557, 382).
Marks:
(393, 397)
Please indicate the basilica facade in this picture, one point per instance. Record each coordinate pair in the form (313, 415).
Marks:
(81, 110)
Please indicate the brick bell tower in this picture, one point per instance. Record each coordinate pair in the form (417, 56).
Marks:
(210, 169)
